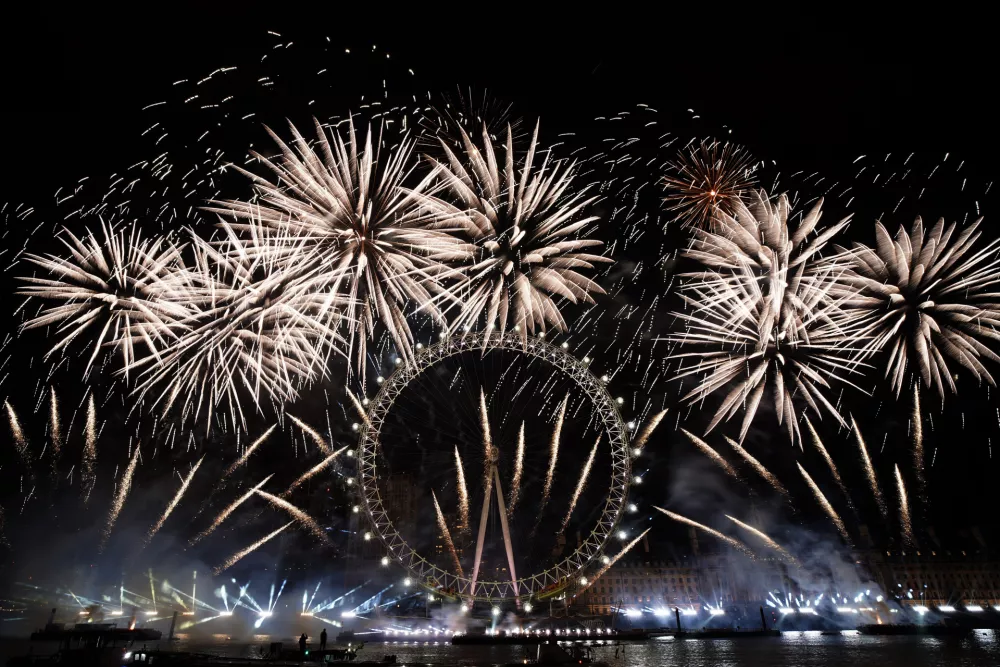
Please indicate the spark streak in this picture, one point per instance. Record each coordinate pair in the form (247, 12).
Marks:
(249, 450)
(312, 433)
(119, 501)
(618, 556)
(90, 450)
(712, 454)
(297, 514)
(463, 491)
(515, 484)
(918, 440)
(736, 544)
(829, 462)
(232, 560)
(446, 534)
(825, 504)
(484, 422)
(869, 469)
(173, 503)
(229, 510)
(765, 538)
(647, 431)
(553, 454)
(56, 428)
(580, 485)
(19, 440)
(312, 472)
(904, 510)
(759, 467)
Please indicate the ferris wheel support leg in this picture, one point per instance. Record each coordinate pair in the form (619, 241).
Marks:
(483, 518)
(506, 534)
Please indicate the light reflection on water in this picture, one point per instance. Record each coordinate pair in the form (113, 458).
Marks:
(792, 649)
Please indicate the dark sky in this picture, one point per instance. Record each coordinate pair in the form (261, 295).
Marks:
(819, 87)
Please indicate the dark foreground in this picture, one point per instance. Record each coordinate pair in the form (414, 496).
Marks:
(792, 649)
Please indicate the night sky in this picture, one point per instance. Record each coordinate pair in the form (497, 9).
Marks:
(812, 92)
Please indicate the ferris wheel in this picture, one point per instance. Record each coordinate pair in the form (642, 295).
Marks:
(552, 489)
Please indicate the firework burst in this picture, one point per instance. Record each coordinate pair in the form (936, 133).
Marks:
(927, 299)
(361, 233)
(525, 224)
(117, 283)
(704, 181)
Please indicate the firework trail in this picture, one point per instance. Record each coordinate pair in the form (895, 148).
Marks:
(89, 451)
(553, 454)
(759, 467)
(119, 500)
(173, 503)
(904, 510)
(484, 422)
(648, 429)
(297, 514)
(515, 484)
(3, 536)
(736, 544)
(312, 433)
(712, 454)
(19, 440)
(918, 440)
(229, 510)
(765, 538)
(55, 428)
(232, 560)
(618, 556)
(357, 406)
(463, 491)
(829, 462)
(309, 474)
(869, 469)
(825, 504)
(249, 450)
(580, 485)
(446, 534)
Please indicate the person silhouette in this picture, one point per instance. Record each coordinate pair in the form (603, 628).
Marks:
(302, 642)
(322, 640)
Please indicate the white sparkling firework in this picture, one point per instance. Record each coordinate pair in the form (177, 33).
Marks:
(20, 442)
(248, 451)
(526, 225)
(312, 472)
(119, 500)
(648, 429)
(708, 451)
(580, 485)
(55, 427)
(484, 424)
(866, 463)
(320, 441)
(927, 299)
(224, 514)
(611, 562)
(173, 503)
(918, 440)
(550, 473)
(734, 543)
(825, 504)
(463, 491)
(762, 315)
(904, 510)
(758, 467)
(515, 484)
(446, 535)
(363, 235)
(765, 538)
(89, 461)
(829, 461)
(117, 283)
(232, 560)
(303, 518)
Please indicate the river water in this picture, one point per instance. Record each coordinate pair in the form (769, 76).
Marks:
(792, 649)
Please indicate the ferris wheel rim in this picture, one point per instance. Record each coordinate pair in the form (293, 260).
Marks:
(557, 576)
